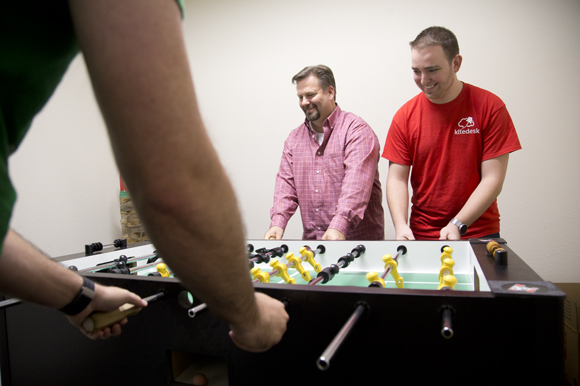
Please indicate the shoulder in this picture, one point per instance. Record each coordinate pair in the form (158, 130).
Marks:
(298, 132)
(348, 118)
(483, 96)
(296, 137)
(413, 106)
(353, 126)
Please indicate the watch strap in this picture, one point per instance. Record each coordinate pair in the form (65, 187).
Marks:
(82, 300)
(462, 227)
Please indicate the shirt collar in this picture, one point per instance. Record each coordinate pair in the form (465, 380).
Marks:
(328, 122)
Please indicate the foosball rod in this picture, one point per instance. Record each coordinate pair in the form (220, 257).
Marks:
(327, 273)
(10, 302)
(110, 264)
(195, 310)
(97, 247)
(401, 250)
(447, 329)
(323, 362)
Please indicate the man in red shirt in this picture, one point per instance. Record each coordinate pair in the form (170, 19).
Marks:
(457, 138)
(329, 167)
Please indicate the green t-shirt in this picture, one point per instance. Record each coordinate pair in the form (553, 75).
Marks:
(37, 44)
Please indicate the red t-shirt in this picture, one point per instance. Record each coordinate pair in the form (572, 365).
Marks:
(445, 145)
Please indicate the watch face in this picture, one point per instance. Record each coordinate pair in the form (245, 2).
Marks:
(462, 229)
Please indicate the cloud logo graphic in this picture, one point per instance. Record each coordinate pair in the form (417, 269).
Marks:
(466, 122)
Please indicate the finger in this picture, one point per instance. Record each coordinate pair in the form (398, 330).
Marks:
(106, 333)
(116, 330)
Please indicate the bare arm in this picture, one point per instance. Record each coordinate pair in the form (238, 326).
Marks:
(398, 199)
(493, 173)
(136, 58)
(29, 275)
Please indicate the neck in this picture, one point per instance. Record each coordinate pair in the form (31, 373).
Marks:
(317, 127)
(454, 92)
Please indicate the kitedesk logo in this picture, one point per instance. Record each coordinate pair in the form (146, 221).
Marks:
(465, 125)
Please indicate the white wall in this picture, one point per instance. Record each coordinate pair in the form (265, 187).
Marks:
(244, 54)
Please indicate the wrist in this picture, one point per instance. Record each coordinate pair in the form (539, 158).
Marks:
(460, 226)
(248, 321)
(82, 299)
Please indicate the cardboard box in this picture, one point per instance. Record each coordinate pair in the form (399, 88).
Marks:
(571, 329)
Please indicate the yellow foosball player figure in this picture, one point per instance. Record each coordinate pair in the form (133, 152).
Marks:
(282, 271)
(162, 269)
(375, 280)
(309, 257)
(447, 252)
(390, 267)
(296, 263)
(448, 283)
(499, 254)
(257, 274)
(446, 268)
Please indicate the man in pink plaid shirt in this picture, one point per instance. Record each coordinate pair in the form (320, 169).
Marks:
(329, 167)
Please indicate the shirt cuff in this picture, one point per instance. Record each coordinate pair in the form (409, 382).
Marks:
(340, 224)
(279, 221)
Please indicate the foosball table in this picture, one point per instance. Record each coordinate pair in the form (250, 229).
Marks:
(364, 312)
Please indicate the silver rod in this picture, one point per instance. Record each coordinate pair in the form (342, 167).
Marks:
(447, 330)
(323, 361)
(10, 302)
(194, 310)
(152, 298)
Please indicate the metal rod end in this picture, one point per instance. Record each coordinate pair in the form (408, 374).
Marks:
(322, 364)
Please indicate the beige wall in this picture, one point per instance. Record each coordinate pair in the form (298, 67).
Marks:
(243, 55)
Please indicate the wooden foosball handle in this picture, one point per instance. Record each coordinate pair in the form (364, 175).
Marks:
(100, 320)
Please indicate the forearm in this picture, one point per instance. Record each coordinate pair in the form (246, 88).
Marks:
(29, 275)
(163, 151)
(205, 248)
(481, 198)
(398, 202)
(493, 174)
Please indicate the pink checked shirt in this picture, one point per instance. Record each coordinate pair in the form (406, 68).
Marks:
(336, 184)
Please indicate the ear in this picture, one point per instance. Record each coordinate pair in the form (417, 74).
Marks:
(456, 63)
(331, 92)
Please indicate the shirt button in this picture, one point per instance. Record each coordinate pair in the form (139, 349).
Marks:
(317, 210)
(318, 171)
(318, 153)
(318, 228)
(316, 190)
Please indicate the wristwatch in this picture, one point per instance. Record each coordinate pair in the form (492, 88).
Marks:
(82, 300)
(462, 227)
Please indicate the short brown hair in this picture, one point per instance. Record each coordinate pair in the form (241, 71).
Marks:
(322, 72)
(437, 36)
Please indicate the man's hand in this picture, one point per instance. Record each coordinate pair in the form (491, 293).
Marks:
(268, 328)
(333, 234)
(106, 299)
(274, 233)
(404, 233)
(450, 232)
